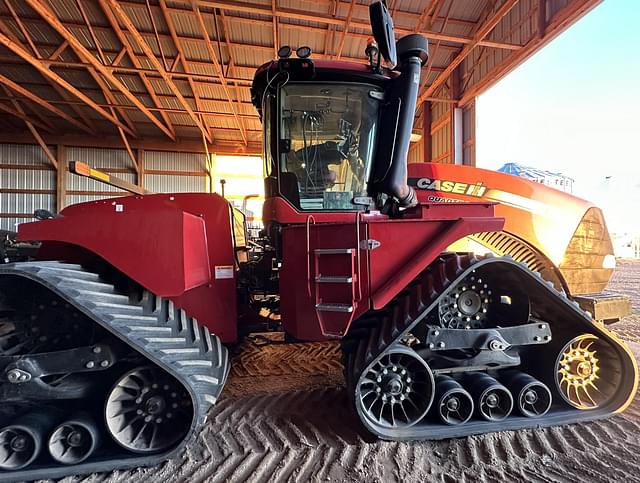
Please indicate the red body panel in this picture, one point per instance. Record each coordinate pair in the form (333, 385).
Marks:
(169, 244)
(406, 247)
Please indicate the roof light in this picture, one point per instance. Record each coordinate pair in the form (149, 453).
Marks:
(284, 52)
(303, 52)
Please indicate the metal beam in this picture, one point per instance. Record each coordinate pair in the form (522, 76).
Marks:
(117, 8)
(57, 25)
(480, 34)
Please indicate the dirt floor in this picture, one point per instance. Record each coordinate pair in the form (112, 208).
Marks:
(284, 417)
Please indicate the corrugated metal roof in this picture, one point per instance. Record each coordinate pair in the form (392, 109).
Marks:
(242, 37)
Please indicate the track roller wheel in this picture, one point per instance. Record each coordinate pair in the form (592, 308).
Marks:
(20, 443)
(587, 373)
(533, 398)
(493, 401)
(453, 404)
(73, 441)
(147, 410)
(397, 390)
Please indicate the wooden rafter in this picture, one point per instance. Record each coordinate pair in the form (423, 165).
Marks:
(61, 48)
(480, 34)
(218, 68)
(59, 90)
(57, 25)
(20, 114)
(43, 123)
(155, 32)
(41, 102)
(427, 11)
(232, 65)
(289, 13)
(34, 132)
(106, 92)
(274, 22)
(253, 46)
(117, 9)
(185, 65)
(136, 62)
(49, 74)
(434, 50)
(347, 24)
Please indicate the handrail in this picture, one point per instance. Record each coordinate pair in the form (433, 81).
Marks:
(358, 255)
(310, 219)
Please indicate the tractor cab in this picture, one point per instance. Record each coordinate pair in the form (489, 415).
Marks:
(336, 134)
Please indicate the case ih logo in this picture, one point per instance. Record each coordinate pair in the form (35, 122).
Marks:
(446, 186)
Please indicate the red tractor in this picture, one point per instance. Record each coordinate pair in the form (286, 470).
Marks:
(112, 335)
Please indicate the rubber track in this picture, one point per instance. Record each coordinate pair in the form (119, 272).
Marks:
(310, 436)
(154, 328)
(375, 333)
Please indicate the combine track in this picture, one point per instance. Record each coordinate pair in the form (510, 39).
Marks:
(290, 431)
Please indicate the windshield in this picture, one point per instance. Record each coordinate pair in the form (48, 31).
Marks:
(327, 134)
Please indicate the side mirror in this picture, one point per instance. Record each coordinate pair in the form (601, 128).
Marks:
(382, 28)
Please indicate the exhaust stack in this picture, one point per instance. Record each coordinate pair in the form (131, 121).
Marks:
(389, 175)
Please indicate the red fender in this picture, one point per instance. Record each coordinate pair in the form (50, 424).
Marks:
(177, 246)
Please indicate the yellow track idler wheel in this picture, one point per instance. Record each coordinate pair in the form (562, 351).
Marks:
(587, 372)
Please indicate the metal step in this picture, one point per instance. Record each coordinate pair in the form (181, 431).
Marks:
(325, 307)
(329, 279)
(333, 251)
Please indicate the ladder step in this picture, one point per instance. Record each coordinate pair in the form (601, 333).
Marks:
(327, 279)
(334, 307)
(333, 251)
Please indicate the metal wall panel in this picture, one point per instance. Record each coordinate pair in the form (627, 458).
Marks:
(416, 154)
(81, 189)
(40, 179)
(469, 134)
(176, 162)
(24, 179)
(25, 203)
(173, 161)
(175, 184)
(12, 223)
(22, 154)
(100, 158)
(97, 158)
